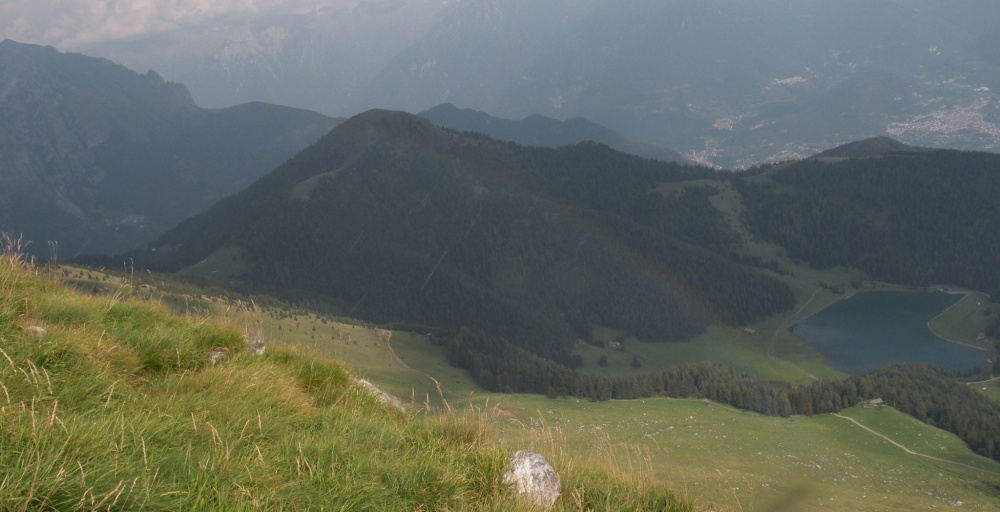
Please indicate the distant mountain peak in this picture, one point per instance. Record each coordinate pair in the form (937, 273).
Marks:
(871, 147)
(539, 130)
(388, 121)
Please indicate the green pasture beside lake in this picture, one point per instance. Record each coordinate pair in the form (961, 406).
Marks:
(967, 320)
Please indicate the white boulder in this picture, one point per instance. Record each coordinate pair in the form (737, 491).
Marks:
(533, 477)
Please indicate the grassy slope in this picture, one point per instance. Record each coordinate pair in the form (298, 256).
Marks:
(117, 407)
(965, 320)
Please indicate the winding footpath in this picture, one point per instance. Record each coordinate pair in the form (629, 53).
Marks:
(987, 381)
(388, 344)
(911, 452)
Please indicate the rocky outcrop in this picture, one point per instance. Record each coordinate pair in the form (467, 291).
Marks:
(382, 396)
(533, 478)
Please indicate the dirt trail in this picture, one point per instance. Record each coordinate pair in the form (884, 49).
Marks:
(388, 344)
(987, 381)
(911, 452)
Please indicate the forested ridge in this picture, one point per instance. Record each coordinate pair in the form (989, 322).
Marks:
(909, 218)
(391, 219)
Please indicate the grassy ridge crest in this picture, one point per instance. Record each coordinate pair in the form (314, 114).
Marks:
(112, 403)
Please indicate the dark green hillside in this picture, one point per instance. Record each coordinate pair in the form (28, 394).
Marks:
(389, 218)
(102, 159)
(909, 218)
(873, 147)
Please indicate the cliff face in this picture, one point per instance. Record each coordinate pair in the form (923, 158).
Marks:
(58, 107)
(102, 158)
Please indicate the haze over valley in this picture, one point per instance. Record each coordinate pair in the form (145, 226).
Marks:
(620, 235)
(726, 82)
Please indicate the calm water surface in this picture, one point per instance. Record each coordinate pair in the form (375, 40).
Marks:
(872, 330)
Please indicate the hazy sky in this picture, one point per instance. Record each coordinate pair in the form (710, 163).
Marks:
(72, 24)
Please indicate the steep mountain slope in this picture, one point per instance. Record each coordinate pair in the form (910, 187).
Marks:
(900, 214)
(538, 130)
(101, 159)
(389, 218)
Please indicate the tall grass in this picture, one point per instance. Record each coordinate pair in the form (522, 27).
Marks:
(111, 403)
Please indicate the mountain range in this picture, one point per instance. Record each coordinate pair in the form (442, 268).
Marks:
(726, 82)
(539, 130)
(393, 219)
(101, 159)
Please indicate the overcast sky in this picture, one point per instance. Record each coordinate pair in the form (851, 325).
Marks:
(73, 24)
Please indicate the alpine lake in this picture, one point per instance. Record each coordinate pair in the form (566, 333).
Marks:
(870, 330)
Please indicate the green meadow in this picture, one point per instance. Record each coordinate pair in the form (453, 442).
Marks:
(732, 460)
(967, 320)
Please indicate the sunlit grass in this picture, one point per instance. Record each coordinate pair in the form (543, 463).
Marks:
(111, 402)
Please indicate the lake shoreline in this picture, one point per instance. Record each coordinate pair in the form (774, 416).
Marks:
(949, 340)
(884, 328)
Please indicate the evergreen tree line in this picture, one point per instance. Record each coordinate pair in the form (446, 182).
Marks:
(501, 367)
(925, 392)
(916, 219)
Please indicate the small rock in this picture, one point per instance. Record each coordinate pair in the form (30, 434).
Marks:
(532, 476)
(382, 396)
(36, 330)
(254, 343)
(218, 354)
